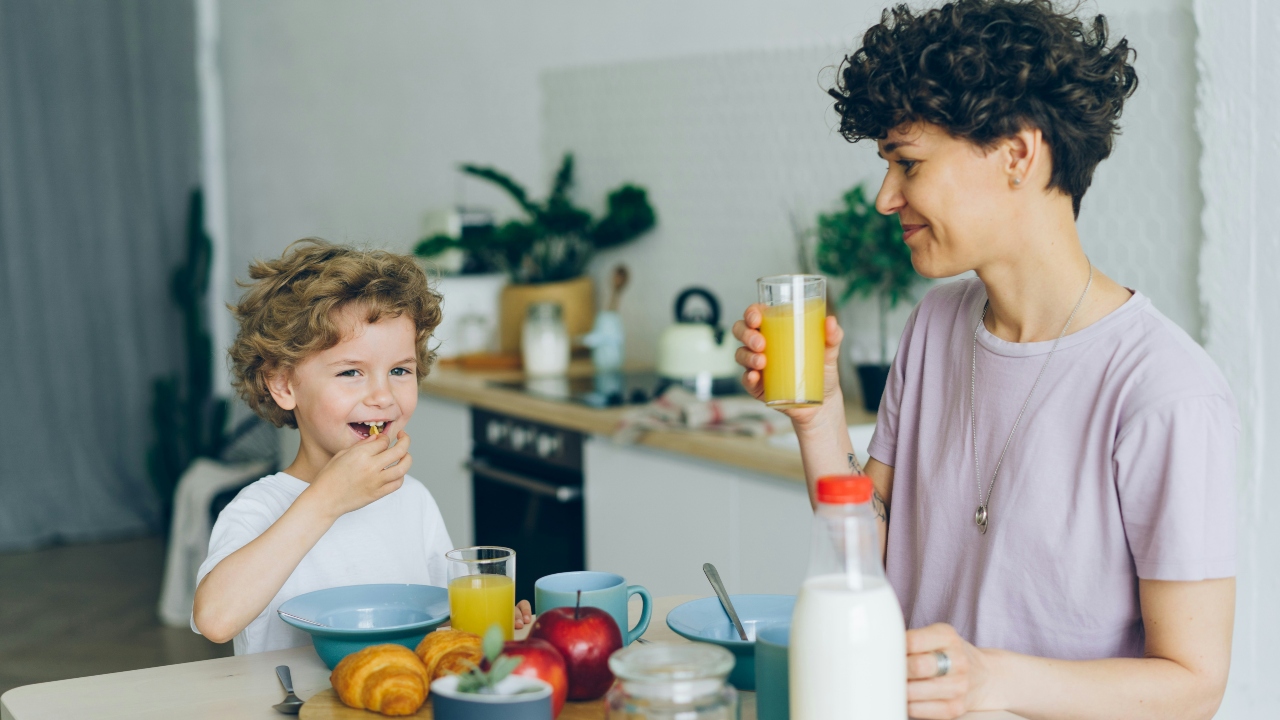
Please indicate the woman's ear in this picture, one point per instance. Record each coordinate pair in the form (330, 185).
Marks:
(1024, 155)
(280, 385)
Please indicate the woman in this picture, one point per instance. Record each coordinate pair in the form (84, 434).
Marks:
(1053, 458)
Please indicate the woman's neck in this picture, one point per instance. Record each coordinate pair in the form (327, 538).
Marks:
(1033, 289)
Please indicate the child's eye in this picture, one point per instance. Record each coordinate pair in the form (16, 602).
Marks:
(399, 372)
(907, 165)
(348, 373)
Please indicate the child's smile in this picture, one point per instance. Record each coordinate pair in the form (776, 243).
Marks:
(369, 427)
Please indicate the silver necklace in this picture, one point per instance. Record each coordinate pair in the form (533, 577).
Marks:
(984, 501)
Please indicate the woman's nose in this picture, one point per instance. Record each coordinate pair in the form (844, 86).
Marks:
(889, 200)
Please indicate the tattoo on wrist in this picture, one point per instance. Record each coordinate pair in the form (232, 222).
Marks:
(878, 503)
(854, 465)
(879, 506)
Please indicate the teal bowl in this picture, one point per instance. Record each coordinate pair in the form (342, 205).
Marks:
(705, 621)
(362, 615)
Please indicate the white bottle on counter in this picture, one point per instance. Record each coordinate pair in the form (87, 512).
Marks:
(544, 342)
(848, 654)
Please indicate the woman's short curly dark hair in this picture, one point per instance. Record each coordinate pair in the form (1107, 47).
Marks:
(984, 70)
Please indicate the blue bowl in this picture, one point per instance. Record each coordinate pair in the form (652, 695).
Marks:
(705, 621)
(364, 615)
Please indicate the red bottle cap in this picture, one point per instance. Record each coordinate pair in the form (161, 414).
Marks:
(844, 489)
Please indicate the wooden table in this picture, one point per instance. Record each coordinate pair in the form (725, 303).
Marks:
(244, 686)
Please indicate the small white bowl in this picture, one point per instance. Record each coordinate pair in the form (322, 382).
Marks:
(509, 703)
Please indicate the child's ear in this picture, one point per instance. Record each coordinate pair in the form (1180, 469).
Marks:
(280, 384)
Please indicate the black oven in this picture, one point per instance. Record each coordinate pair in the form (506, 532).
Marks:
(526, 480)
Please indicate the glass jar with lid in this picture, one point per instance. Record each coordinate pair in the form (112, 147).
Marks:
(544, 341)
(683, 681)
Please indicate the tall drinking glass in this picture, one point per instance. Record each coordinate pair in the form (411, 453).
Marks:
(482, 589)
(795, 338)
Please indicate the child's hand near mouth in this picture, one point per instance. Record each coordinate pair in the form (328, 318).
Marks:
(363, 473)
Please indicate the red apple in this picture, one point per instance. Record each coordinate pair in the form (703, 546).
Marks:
(541, 660)
(585, 637)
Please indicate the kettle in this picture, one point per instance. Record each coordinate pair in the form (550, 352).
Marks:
(695, 348)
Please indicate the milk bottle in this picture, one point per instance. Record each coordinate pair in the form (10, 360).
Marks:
(848, 642)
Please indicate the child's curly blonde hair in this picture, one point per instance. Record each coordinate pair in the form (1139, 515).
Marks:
(288, 312)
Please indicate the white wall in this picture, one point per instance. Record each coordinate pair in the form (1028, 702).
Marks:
(729, 144)
(347, 119)
(1240, 172)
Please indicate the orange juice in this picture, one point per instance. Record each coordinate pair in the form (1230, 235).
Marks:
(478, 602)
(795, 341)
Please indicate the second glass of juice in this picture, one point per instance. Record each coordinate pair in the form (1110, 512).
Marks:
(795, 339)
(482, 589)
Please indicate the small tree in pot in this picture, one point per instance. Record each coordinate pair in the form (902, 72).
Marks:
(551, 247)
(863, 248)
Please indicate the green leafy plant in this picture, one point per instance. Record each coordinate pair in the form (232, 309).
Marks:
(496, 666)
(187, 420)
(863, 248)
(557, 239)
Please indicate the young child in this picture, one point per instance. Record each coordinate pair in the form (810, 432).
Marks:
(332, 341)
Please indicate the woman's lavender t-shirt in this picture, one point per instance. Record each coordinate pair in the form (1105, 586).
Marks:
(1122, 468)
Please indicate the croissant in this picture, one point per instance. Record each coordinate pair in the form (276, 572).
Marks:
(448, 652)
(388, 679)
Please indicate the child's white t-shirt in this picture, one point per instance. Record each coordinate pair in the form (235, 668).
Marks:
(399, 538)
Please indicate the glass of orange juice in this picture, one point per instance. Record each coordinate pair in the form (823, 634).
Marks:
(795, 338)
(482, 589)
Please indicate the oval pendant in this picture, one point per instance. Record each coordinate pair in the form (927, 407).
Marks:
(980, 518)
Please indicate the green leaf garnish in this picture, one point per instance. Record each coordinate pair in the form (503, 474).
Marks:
(502, 667)
(477, 680)
(492, 645)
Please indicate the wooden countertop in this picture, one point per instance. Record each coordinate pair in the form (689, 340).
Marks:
(244, 686)
(757, 454)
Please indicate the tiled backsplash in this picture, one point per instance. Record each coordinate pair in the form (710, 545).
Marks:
(728, 145)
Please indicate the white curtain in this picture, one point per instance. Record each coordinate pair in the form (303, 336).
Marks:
(99, 149)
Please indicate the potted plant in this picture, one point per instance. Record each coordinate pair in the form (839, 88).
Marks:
(470, 283)
(490, 690)
(546, 253)
(858, 245)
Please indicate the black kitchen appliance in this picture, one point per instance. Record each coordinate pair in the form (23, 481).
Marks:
(612, 389)
(526, 479)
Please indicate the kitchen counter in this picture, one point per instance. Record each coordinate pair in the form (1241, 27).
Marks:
(756, 454)
(244, 686)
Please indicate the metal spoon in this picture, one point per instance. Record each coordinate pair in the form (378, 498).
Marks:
(714, 576)
(291, 702)
(302, 619)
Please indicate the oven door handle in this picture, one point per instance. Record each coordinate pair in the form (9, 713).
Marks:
(562, 493)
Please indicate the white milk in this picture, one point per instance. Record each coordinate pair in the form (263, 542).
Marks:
(848, 651)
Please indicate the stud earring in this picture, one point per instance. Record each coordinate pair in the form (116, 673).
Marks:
(1017, 181)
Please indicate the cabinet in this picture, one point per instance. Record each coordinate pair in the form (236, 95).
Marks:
(441, 434)
(655, 518)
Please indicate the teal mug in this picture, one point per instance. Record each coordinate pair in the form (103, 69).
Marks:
(603, 590)
(773, 690)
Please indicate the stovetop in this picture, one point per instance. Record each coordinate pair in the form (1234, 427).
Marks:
(618, 388)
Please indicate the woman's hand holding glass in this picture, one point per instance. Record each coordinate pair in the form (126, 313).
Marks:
(751, 356)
